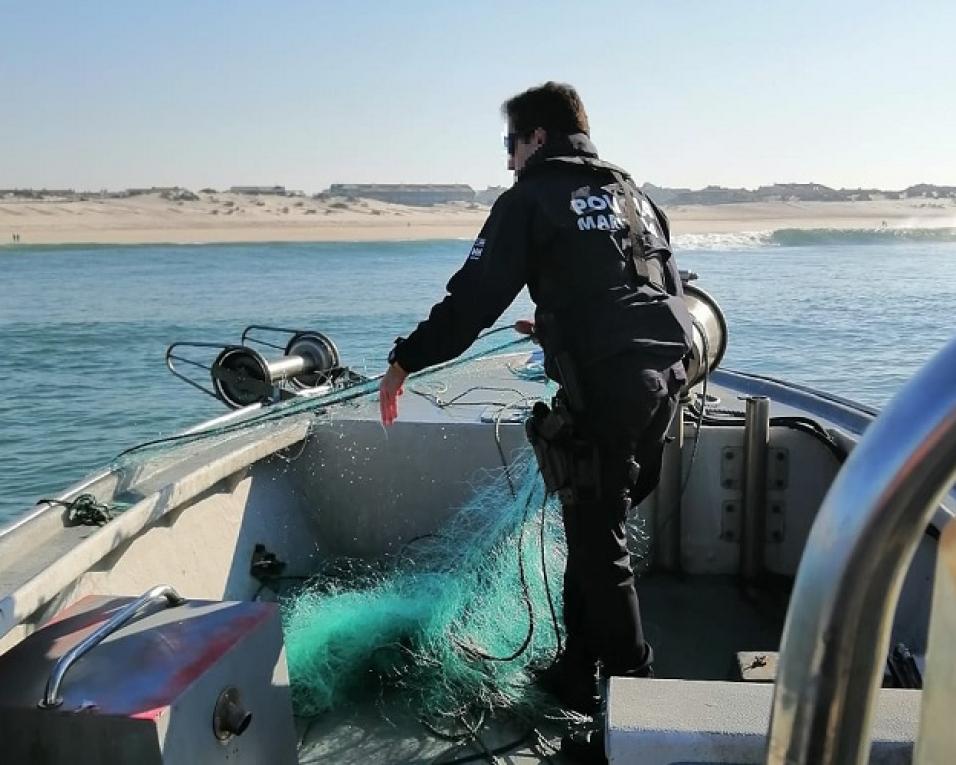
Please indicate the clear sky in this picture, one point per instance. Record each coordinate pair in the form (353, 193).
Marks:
(117, 93)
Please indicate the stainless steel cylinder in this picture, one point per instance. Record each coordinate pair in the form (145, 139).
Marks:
(709, 340)
(288, 366)
(753, 526)
(319, 354)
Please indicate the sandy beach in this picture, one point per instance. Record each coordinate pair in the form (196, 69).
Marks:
(227, 217)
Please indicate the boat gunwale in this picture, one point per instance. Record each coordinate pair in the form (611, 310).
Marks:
(234, 456)
(42, 587)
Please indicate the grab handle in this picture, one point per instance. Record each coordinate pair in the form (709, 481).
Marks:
(51, 697)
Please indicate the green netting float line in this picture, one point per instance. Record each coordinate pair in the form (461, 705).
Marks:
(444, 624)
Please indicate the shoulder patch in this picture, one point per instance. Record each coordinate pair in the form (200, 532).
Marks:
(477, 249)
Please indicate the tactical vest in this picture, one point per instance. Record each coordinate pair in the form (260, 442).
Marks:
(644, 243)
(601, 279)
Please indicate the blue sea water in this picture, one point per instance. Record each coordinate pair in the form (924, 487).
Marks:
(83, 329)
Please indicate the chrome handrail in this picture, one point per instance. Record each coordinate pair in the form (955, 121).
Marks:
(51, 697)
(838, 625)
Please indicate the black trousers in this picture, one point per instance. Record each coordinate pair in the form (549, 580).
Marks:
(629, 406)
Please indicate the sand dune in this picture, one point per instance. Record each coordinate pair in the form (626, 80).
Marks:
(225, 217)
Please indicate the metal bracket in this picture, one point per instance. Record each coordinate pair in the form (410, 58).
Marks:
(778, 479)
(730, 520)
(731, 480)
(732, 468)
(265, 566)
(778, 468)
(775, 526)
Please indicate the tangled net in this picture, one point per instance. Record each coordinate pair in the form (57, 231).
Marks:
(454, 624)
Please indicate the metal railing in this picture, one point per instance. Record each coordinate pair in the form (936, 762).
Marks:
(51, 696)
(838, 625)
(937, 734)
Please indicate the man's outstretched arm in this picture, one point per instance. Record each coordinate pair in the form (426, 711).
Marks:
(481, 290)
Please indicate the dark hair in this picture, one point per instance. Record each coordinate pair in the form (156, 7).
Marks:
(554, 106)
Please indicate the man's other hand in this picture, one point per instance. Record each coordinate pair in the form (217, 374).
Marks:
(389, 390)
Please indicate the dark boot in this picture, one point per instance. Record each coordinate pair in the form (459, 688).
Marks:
(574, 683)
(643, 669)
(586, 747)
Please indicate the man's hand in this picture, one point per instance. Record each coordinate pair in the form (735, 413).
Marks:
(389, 390)
(526, 327)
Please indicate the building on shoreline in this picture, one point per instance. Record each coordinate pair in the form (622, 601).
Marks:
(35, 193)
(150, 190)
(278, 191)
(790, 192)
(422, 194)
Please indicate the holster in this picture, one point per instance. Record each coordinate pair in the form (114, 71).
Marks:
(569, 464)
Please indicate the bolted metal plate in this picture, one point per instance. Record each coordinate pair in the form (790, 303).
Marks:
(732, 468)
(775, 521)
(730, 520)
(731, 480)
(778, 468)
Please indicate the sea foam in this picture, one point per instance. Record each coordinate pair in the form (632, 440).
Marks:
(812, 237)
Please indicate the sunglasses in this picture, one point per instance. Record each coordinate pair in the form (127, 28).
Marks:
(509, 141)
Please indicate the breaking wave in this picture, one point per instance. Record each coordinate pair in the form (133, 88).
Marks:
(744, 240)
(812, 237)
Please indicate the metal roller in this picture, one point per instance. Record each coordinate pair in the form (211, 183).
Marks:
(242, 376)
(710, 334)
(321, 354)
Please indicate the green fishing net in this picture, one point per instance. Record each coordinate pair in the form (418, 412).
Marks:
(456, 622)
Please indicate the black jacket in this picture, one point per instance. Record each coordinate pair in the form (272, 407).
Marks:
(560, 230)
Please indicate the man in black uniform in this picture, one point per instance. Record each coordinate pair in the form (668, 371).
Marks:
(595, 254)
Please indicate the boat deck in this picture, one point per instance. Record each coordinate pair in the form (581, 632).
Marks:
(697, 624)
